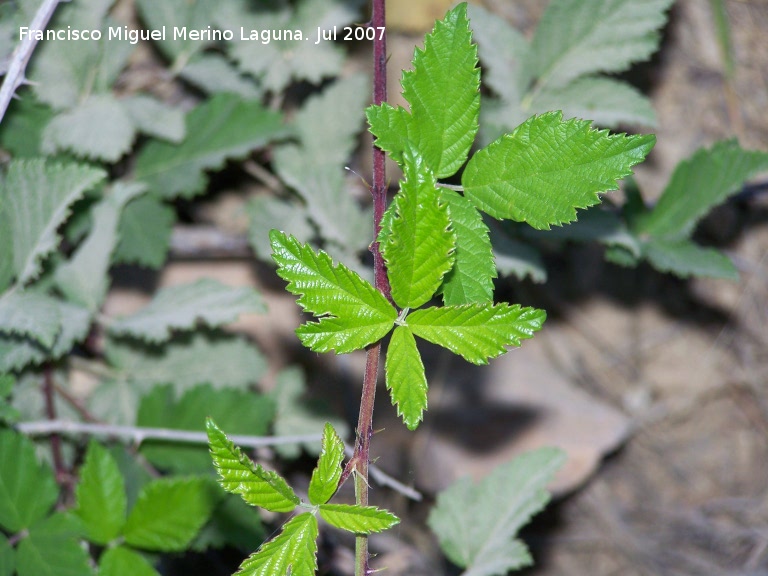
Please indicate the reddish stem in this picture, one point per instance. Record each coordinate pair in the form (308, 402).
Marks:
(361, 456)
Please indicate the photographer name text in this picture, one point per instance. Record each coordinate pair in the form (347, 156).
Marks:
(209, 34)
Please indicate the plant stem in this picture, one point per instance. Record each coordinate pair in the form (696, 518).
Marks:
(361, 456)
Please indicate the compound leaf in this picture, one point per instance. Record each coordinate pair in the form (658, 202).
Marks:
(53, 548)
(405, 377)
(121, 561)
(98, 128)
(326, 476)
(443, 90)
(239, 411)
(579, 37)
(698, 184)
(144, 232)
(293, 551)
(359, 314)
(28, 489)
(180, 307)
(358, 519)
(169, 512)
(476, 332)
(225, 127)
(471, 278)
(476, 524)
(547, 167)
(683, 258)
(101, 501)
(35, 199)
(239, 475)
(416, 239)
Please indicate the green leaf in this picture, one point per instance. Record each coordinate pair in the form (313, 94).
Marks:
(28, 489)
(326, 476)
(239, 411)
(683, 258)
(213, 73)
(293, 551)
(99, 128)
(547, 167)
(53, 548)
(144, 232)
(153, 117)
(173, 14)
(393, 128)
(443, 90)
(169, 512)
(84, 279)
(471, 278)
(476, 524)
(278, 63)
(266, 213)
(121, 561)
(605, 101)
(233, 523)
(21, 132)
(101, 502)
(8, 413)
(35, 199)
(405, 376)
(358, 314)
(579, 37)
(417, 242)
(358, 519)
(239, 475)
(181, 307)
(30, 314)
(476, 332)
(297, 416)
(223, 128)
(7, 557)
(698, 185)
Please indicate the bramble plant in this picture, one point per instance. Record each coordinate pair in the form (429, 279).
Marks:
(105, 150)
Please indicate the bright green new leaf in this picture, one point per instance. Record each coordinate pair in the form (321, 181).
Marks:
(547, 167)
(35, 198)
(222, 128)
(84, 278)
(293, 551)
(358, 314)
(28, 489)
(53, 548)
(476, 524)
(326, 476)
(443, 90)
(7, 557)
(416, 238)
(579, 37)
(30, 314)
(471, 278)
(144, 232)
(239, 411)
(182, 307)
(476, 332)
(169, 512)
(391, 127)
(239, 475)
(122, 561)
(684, 258)
(405, 377)
(99, 128)
(699, 184)
(358, 519)
(297, 416)
(101, 503)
